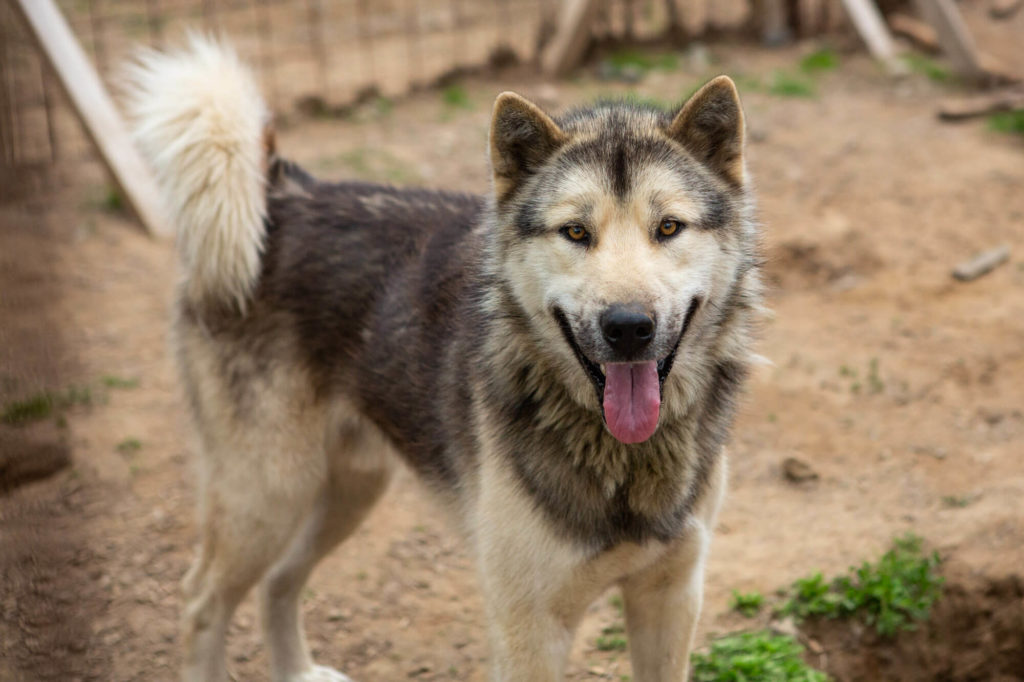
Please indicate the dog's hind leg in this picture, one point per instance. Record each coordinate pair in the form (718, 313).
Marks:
(262, 465)
(360, 469)
(247, 522)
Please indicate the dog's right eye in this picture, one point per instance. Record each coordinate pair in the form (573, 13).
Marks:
(576, 233)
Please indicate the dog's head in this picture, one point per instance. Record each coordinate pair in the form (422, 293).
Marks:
(619, 227)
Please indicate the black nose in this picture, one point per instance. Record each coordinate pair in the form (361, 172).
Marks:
(627, 329)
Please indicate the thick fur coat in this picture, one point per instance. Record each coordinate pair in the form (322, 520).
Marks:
(325, 331)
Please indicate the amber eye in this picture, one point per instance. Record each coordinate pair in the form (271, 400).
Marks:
(576, 232)
(669, 227)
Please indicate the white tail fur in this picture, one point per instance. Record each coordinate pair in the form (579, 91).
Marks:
(199, 118)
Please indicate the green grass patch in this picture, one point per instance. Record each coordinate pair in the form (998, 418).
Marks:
(1011, 122)
(957, 501)
(748, 82)
(613, 642)
(746, 603)
(785, 84)
(45, 404)
(114, 381)
(824, 59)
(749, 656)
(33, 408)
(643, 61)
(928, 67)
(457, 97)
(891, 595)
(129, 446)
(112, 200)
(875, 383)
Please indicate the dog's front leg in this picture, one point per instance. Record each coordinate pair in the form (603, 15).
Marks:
(663, 604)
(533, 586)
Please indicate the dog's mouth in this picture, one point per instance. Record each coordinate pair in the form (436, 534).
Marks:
(630, 393)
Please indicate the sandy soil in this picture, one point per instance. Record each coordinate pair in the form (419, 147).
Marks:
(901, 388)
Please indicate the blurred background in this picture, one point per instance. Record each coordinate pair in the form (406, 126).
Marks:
(888, 157)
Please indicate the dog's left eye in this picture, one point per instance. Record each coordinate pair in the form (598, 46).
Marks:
(576, 233)
(670, 227)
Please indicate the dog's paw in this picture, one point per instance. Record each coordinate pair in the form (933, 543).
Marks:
(321, 673)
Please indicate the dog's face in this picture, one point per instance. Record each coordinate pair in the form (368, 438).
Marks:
(618, 226)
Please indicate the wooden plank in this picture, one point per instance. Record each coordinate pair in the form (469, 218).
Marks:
(981, 105)
(916, 31)
(571, 37)
(954, 37)
(869, 24)
(96, 110)
(1004, 9)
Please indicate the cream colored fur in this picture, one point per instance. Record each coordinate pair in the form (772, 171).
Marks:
(198, 117)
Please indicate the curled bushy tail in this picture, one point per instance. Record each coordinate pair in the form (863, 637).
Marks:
(199, 118)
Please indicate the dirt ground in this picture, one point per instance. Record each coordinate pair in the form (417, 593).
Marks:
(901, 388)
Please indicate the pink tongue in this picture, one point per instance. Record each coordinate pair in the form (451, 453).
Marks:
(632, 399)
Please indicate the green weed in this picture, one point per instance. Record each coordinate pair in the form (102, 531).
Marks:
(114, 381)
(44, 404)
(824, 59)
(749, 656)
(113, 201)
(1011, 122)
(785, 84)
(889, 596)
(928, 67)
(614, 642)
(748, 82)
(875, 383)
(33, 408)
(129, 446)
(957, 501)
(643, 61)
(457, 97)
(748, 603)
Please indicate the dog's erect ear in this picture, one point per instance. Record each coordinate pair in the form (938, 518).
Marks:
(522, 138)
(710, 126)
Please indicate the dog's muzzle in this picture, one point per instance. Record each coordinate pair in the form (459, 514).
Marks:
(629, 402)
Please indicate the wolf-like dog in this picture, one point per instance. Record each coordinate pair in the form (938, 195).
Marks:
(559, 360)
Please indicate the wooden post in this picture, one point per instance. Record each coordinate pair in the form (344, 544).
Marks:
(954, 37)
(94, 107)
(871, 26)
(571, 36)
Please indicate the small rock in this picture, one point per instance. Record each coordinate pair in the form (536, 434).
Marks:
(798, 471)
(936, 452)
(786, 626)
(699, 57)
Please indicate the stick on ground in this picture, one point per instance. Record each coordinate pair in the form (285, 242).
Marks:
(982, 264)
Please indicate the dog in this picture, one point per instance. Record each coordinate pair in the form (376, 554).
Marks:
(558, 361)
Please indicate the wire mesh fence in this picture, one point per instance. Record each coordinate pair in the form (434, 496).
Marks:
(311, 53)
